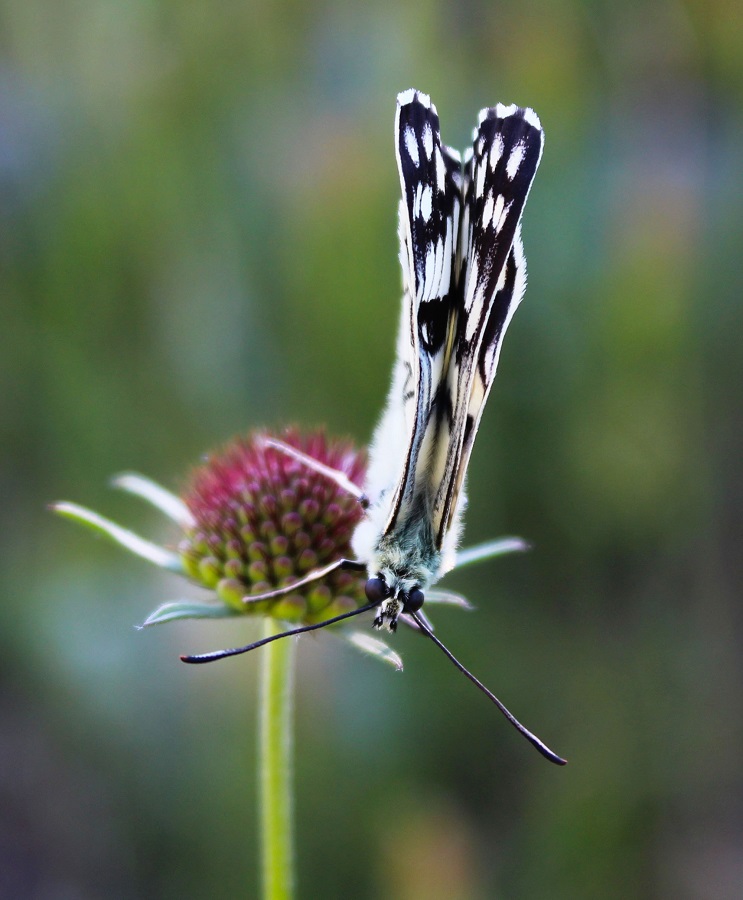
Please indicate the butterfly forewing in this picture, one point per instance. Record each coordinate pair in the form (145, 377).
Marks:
(430, 179)
(499, 170)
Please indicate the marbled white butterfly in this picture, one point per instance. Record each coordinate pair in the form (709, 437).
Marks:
(464, 274)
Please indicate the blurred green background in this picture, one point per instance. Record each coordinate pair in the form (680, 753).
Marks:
(197, 237)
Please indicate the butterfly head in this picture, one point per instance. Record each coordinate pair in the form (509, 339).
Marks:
(394, 599)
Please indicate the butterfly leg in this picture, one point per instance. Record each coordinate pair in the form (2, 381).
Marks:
(352, 565)
(340, 478)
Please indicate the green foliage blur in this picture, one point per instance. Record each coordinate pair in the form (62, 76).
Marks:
(198, 237)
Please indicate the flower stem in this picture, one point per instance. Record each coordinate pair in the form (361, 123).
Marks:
(275, 765)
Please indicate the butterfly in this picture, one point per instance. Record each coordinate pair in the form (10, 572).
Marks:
(464, 274)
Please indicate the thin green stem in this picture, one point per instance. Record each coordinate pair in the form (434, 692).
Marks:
(275, 762)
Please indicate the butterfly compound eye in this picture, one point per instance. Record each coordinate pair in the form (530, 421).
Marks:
(414, 601)
(376, 590)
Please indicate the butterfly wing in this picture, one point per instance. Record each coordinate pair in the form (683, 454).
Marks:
(498, 173)
(463, 276)
(430, 179)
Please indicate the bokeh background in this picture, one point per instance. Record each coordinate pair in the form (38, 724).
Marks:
(197, 237)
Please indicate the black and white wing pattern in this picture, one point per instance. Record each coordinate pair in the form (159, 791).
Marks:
(499, 170)
(463, 277)
(465, 274)
(429, 220)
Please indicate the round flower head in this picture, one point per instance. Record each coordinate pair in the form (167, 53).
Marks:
(256, 519)
(262, 520)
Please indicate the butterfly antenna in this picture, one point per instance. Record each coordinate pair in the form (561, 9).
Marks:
(532, 738)
(236, 651)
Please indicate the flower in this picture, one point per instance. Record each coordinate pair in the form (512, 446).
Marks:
(262, 520)
(254, 520)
